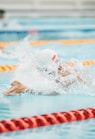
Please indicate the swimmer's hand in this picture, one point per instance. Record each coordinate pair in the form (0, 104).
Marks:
(16, 88)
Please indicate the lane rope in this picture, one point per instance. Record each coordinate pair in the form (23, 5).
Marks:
(13, 67)
(7, 67)
(46, 120)
(42, 42)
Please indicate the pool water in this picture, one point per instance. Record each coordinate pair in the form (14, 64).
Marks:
(14, 29)
(29, 105)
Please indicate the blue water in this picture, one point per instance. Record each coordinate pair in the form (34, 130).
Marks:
(28, 104)
(13, 29)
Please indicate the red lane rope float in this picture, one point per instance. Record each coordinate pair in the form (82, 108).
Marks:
(13, 67)
(46, 120)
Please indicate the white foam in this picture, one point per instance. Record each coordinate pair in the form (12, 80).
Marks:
(28, 75)
(39, 78)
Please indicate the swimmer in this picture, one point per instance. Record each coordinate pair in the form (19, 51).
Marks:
(63, 73)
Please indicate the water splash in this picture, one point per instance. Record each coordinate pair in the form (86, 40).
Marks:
(20, 49)
(47, 80)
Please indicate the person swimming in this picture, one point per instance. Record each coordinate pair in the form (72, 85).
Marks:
(45, 71)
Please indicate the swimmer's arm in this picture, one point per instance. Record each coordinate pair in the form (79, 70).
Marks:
(65, 83)
(16, 88)
(73, 79)
(79, 78)
(65, 73)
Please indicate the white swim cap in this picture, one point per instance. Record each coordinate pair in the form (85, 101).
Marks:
(46, 57)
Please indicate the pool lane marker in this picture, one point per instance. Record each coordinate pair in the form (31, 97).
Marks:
(7, 67)
(43, 42)
(88, 62)
(46, 120)
(13, 67)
